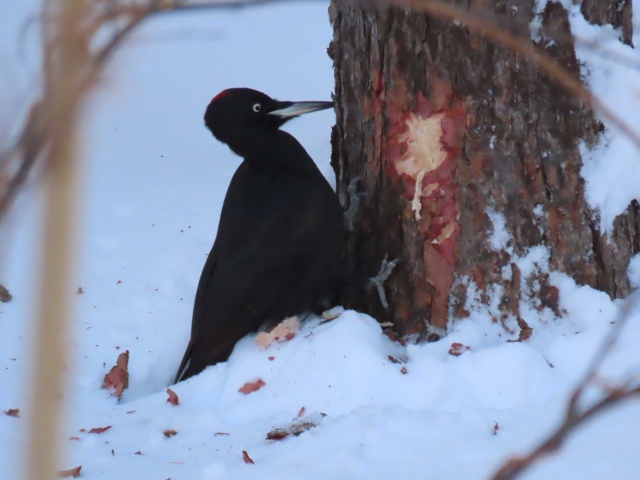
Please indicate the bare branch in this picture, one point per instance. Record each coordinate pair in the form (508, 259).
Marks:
(18, 161)
(516, 466)
(574, 416)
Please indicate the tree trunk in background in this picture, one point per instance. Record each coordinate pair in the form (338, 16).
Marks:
(450, 137)
(610, 12)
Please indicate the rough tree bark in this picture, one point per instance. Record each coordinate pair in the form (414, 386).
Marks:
(445, 134)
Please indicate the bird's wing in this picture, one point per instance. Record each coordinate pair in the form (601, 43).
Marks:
(236, 293)
(261, 252)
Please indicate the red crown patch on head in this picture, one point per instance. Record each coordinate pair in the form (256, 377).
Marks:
(220, 95)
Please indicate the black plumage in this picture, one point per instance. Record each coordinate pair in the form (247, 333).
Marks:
(278, 250)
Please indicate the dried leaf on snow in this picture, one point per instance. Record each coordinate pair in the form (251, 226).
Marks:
(99, 430)
(251, 387)
(458, 349)
(173, 397)
(118, 377)
(246, 457)
(72, 472)
(5, 296)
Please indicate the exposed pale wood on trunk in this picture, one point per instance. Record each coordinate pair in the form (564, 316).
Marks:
(511, 144)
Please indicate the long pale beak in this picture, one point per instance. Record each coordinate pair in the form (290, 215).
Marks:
(293, 109)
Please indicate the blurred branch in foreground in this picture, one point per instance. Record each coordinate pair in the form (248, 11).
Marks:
(107, 20)
(53, 125)
(576, 415)
(72, 64)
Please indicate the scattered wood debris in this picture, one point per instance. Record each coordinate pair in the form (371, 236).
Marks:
(5, 296)
(458, 349)
(173, 397)
(72, 472)
(99, 430)
(282, 332)
(251, 387)
(247, 458)
(294, 429)
(118, 377)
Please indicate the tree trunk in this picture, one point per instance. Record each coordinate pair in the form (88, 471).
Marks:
(467, 159)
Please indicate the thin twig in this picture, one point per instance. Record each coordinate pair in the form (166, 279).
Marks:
(516, 466)
(605, 348)
(159, 7)
(34, 137)
(574, 417)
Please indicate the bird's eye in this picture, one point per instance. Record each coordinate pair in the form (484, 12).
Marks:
(257, 107)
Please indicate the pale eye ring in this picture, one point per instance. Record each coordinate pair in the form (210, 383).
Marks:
(257, 107)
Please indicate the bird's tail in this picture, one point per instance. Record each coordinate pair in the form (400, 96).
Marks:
(184, 364)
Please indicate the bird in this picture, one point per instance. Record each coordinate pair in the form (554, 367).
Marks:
(279, 247)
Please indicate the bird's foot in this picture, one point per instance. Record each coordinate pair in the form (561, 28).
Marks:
(386, 268)
(354, 202)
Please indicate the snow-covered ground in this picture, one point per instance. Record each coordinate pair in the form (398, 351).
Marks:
(153, 184)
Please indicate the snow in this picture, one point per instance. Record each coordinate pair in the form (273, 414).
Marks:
(153, 184)
(499, 237)
(634, 271)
